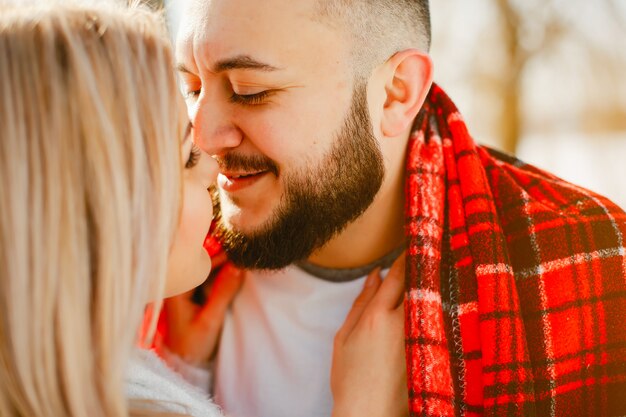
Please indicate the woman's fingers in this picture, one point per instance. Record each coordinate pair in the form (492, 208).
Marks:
(368, 375)
(193, 332)
(223, 291)
(371, 285)
(388, 295)
(391, 292)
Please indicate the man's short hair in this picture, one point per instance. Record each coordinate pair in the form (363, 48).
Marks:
(378, 28)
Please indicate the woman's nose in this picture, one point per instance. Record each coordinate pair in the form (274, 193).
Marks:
(212, 169)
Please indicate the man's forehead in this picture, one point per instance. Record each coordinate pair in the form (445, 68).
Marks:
(243, 16)
(245, 27)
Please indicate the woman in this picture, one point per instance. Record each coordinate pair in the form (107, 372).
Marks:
(104, 207)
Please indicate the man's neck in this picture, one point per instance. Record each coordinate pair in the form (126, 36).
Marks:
(375, 234)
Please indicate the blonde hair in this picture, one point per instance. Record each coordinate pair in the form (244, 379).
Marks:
(90, 189)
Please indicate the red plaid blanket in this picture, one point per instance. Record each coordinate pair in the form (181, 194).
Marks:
(516, 283)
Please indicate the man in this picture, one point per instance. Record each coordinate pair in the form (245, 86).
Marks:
(336, 154)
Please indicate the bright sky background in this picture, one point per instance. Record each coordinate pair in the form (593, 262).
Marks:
(555, 87)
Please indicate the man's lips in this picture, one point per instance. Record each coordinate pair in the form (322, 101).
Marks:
(235, 181)
(240, 174)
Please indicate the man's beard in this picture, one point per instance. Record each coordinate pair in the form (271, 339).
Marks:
(318, 202)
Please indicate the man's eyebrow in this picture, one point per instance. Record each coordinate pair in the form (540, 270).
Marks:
(244, 62)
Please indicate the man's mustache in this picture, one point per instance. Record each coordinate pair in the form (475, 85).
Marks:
(246, 163)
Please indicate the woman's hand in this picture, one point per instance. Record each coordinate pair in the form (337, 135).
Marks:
(368, 377)
(193, 331)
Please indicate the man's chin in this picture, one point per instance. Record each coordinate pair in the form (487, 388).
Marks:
(242, 225)
(261, 248)
(246, 216)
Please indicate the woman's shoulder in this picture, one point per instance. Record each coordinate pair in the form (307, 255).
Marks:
(152, 384)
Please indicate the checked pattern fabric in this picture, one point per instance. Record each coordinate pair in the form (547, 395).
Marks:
(516, 283)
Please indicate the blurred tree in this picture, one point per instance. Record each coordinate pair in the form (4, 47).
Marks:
(574, 46)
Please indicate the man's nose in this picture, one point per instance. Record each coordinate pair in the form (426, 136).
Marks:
(214, 130)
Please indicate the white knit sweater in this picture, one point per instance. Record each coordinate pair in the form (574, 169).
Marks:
(149, 378)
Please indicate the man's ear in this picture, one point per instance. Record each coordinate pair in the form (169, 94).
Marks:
(409, 75)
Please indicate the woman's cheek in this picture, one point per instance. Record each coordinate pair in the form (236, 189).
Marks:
(197, 214)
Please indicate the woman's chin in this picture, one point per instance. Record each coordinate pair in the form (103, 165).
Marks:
(179, 282)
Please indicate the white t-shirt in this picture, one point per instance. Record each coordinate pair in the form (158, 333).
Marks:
(276, 348)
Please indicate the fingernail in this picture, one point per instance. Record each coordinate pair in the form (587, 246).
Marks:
(372, 277)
